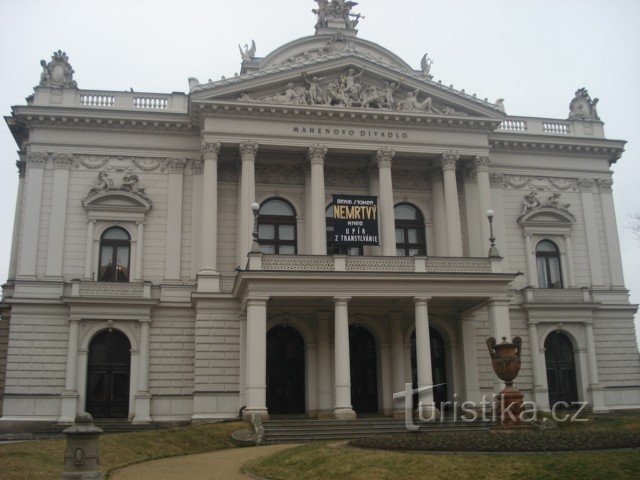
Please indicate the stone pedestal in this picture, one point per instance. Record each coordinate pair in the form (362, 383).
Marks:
(81, 457)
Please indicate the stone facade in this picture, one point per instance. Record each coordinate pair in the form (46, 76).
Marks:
(323, 115)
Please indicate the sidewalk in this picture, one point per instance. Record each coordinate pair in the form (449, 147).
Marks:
(218, 465)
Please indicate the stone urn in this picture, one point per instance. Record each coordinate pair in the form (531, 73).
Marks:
(505, 358)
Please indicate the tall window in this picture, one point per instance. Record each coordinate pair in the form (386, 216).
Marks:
(548, 264)
(115, 249)
(331, 248)
(277, 227)
(409, 231)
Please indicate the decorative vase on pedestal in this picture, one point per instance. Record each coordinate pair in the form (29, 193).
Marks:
(505, 359)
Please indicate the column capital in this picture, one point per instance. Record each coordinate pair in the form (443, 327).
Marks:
(210, 149)
(341, 300)
(257, 301)
(22, 168)
(197, 166)
(449, 160)
(586, 184)
(605, 185)
(62, 161)
(176, 165)
(316, 154)
(248, 150)
(385, 156)
(421, 300)
(481, 163)
(37, 159)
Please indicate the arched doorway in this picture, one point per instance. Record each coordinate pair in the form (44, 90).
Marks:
(561, 368)
(438, 366)
(285, 371)
(364, 370)
(108, 375)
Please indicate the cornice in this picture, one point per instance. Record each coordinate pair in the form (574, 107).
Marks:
(565, 146)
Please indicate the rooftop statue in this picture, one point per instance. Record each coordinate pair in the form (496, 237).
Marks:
(339, 10)
(425, 66)
(248, 53)
(58, 72)
(582, 107)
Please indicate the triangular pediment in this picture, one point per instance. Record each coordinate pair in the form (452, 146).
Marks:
(345, 80)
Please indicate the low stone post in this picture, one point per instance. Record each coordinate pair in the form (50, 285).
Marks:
(81, 459)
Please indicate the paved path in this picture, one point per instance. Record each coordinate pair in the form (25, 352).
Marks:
(218, 465)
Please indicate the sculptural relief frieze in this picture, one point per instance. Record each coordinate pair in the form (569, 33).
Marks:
(540, 183)
(411, 180)
(350, 90)
(347, 177)
(129, 183)
(531, 202)
(119, 164)
(228, 172)
(279, 174)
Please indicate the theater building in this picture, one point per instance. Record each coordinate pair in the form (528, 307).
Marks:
(136, 289)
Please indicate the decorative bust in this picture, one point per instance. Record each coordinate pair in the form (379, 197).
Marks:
(58, 72)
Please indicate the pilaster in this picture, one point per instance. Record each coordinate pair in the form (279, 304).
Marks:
(208, 277)
(611, 232)
(484, 198)
(593, 245)
(452, 206)
(256, 357)
(17, 219)
(246, 196)
(316, 216)
(31, 225)
(384, 157)
(173, 236)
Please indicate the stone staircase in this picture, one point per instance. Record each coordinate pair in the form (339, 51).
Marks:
(296, 430)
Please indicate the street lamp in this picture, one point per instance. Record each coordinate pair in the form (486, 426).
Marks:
(493, 250)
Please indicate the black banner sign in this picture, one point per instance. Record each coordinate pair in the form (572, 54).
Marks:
(355, 220)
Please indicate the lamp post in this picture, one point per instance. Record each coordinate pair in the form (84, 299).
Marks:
(493, 250)
(255, 246)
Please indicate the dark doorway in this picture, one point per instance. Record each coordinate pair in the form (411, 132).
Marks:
(108, 375)
(561, 368)
(438, 366)
(285, 371)
(364, 370)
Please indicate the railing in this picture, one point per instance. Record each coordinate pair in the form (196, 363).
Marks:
(176, 102)
(557, 295)
(110, 289)
(551, 126)
(342, 263)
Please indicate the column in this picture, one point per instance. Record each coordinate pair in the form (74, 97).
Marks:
(342, 409)
(208, 276)
(384, 157)
(31, 224)
(142, 398)
(246, 196)
(311, 374)
(484, 199)
(452, 207)
(173, 236)
(316, 216)
(256, 358)
(88, 258)
(593, 245)
(137, 274)
(385, 377)
(456, 369)
(17, 219)
(439, 218)
(374, 191)
(55, 243)
(324, 365)
(611, 232)
(197, 170)
(423, 357)
(532, 270)
(69, 398)
(397, 361)
(242, 317)
(470, 357)
(570, 271)
(540, 389)
(595, 389)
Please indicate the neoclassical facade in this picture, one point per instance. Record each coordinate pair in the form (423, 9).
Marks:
(137, 289)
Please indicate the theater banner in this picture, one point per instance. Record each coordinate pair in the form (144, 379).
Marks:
(355, 220)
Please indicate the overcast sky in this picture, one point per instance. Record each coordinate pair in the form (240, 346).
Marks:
(535, 54)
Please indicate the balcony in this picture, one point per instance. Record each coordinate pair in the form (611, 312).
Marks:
(343, 263)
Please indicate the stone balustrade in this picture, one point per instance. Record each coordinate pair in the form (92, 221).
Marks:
(551, 126)
(557, 295)
(110, 289)
(343, 263)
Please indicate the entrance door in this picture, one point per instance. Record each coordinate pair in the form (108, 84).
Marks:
(108, 375)
(364, 370)
(438, 366)
(285, 371)
(561, 368)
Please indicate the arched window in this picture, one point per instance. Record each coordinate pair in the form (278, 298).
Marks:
(277, 227)
(548, 264)
(331, 248)
(115, 250)
(410, 240)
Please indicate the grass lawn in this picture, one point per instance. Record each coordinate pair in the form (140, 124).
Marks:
(338, 461)
(42, 460)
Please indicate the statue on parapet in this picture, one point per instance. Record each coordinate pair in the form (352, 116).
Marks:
(248, 54)
(336, 10)
(58, 72)
(582, 107)
(425, 66)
